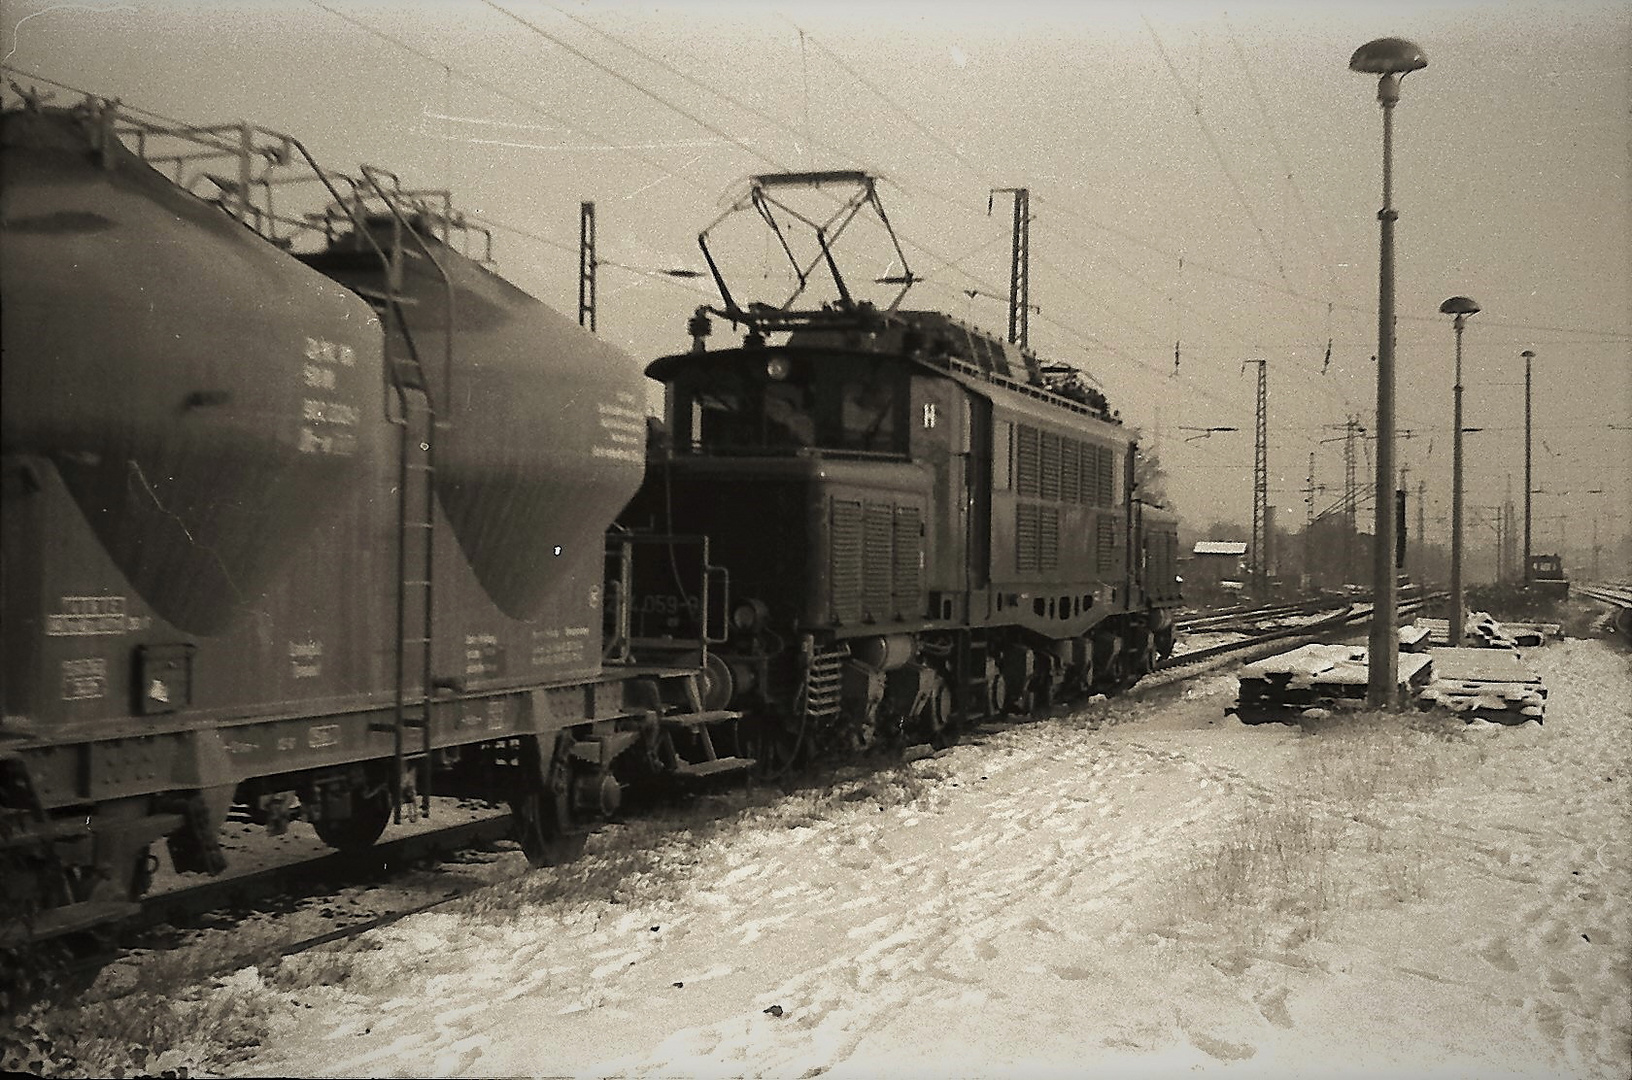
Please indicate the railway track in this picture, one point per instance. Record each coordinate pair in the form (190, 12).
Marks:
(191, 904)
(1246, 615)
(1617, 596)
(181, 906)
(1347, 615)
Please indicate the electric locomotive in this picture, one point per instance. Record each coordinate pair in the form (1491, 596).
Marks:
(922, 523)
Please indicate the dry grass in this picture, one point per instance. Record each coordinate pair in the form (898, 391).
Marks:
(1292, 860)
(146, 1034)
(1271, 864)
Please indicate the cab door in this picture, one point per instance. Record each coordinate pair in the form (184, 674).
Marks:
(977, 499)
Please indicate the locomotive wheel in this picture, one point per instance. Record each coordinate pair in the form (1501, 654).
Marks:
(938, 718)
(1126, 671)
(771, 744)
(997, 689)
(370, 813)
(1147, 659)
(543, 813)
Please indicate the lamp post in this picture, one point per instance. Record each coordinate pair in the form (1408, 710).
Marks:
(1461, 307)
(1389, 59)
(1529, 355)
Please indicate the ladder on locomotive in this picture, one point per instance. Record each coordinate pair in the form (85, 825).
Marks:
(416, 502)
(823, 686)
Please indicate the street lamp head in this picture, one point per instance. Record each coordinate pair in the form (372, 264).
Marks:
(1459, 305)
(1528, 354)
(1389, 59)
(1387, 56)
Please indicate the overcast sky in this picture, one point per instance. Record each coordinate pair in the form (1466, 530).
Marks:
(1200, 175)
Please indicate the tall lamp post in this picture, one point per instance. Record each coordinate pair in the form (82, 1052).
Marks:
(1461, 307)
(1389, 59)
(1529, 355)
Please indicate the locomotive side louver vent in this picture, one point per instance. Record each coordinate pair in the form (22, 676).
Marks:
(1088, 482)
(1071, 471)
(878, 557)
(1051, 466)
(1026, 465)
(1107, 482)
(844, 575)
(1027, 524)
(909, 557)
(1048, 538)
(1105, 536)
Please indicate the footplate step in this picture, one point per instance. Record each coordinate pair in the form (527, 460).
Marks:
(698, 719)
(713, 768)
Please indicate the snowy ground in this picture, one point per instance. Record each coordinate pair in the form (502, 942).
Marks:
(1139, 889)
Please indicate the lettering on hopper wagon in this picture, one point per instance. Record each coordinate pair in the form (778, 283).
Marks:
(92, 616)
(623, 423)
(323, 421)
(85, 679)
(306, 659)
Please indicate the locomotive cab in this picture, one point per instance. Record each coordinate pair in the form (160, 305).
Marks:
(785, 401)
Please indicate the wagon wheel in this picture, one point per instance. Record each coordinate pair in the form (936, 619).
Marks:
(542, 811)
(370, 813)
(141, 877)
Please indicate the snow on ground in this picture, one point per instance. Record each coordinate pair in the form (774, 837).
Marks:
(1145, 887)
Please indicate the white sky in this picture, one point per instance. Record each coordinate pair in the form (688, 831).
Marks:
(1238, 139)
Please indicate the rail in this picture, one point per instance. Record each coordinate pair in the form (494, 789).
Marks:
(1353, 613)
(1248, 613)
(1616, 595)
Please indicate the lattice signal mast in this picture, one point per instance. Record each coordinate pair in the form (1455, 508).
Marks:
(586, 265)
(1019, 264)
(1260, 477)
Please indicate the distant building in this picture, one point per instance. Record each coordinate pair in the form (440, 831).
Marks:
(1211, 564)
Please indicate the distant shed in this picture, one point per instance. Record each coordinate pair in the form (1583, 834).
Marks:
(1213, 562)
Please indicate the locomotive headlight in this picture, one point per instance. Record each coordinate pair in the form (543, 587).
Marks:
(749, 616)
(778, 368)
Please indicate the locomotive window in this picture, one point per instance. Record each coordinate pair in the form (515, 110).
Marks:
(788, 419)
(868, 407)
(832, 405)
(720, 413)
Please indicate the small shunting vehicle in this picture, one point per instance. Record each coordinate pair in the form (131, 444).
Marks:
(1547, 576)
